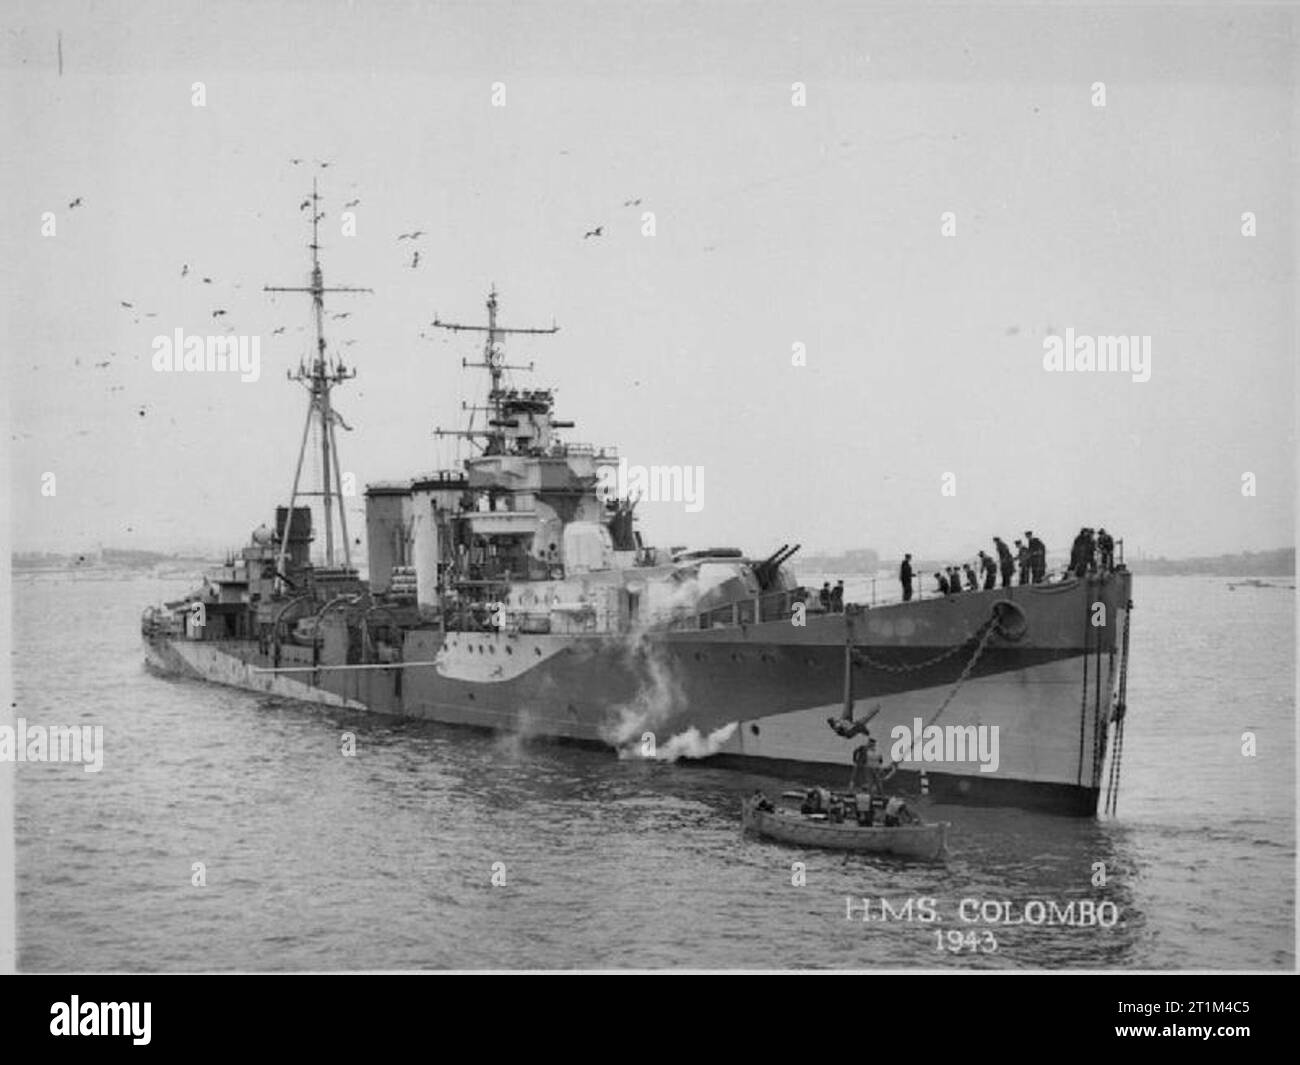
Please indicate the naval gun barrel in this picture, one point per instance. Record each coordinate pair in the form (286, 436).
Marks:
(766, 570)
(788, 555)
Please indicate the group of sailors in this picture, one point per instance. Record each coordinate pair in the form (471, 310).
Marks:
(865, 800)
(1028, 559)
(832, 599)
(866, 809)
(1087, 546)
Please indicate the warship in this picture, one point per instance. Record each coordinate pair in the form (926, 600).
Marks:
(516, 593)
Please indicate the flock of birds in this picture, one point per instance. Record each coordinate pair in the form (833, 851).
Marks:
(222, 314)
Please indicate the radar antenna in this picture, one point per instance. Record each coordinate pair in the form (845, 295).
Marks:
(494, 362)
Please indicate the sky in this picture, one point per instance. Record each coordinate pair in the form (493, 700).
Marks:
(923, 420)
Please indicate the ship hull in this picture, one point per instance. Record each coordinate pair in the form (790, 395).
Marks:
(1044, 685)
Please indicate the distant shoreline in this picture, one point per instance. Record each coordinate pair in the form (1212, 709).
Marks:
(862, 563)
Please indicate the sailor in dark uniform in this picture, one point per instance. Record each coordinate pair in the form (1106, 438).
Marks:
(1087, 550)
(954, 580)
(905, 577)
(943, 583)
(1022, 560)
(990, 571)
(972, 582)
(1106, 545)
(1037, 557)
(1005, 561)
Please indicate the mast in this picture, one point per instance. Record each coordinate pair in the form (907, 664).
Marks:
(494, 362)
(319, 378)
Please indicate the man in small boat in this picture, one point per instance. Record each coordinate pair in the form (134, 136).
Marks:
(817, 801)
(897, 813)
(869, 770)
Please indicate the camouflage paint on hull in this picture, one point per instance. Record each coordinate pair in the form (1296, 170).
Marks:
(1048, 690)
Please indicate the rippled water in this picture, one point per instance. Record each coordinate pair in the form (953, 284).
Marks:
(385, 860)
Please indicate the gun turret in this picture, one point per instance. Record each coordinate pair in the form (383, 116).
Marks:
(766, 570)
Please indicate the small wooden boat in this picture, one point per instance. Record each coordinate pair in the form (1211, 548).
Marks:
(925, 841)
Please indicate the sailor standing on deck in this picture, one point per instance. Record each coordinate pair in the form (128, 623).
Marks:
(1037, 558)
(1076, 552)
(905, 577)
(1106, 545)
(972, 582)
(1005, 560)
(990, 571)
(1022, 560)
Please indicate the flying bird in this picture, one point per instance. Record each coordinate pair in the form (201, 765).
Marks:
(217, 314)
(304, 205)
(411, 236)
(323, 165)
(103, 364)
(347, 314)
(277, 332)
(75, 203)
(295, 162)
(598, 231)
(125, 304)
(207, 280)
(631, 203)
(353, 203)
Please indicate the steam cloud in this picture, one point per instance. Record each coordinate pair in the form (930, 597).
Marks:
(688, 744)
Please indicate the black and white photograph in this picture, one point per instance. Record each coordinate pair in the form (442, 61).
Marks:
(661, 486)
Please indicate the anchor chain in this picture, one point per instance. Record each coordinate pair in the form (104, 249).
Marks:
(995, 624)
(990, 627)
(1121, 707)
(861, 656)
